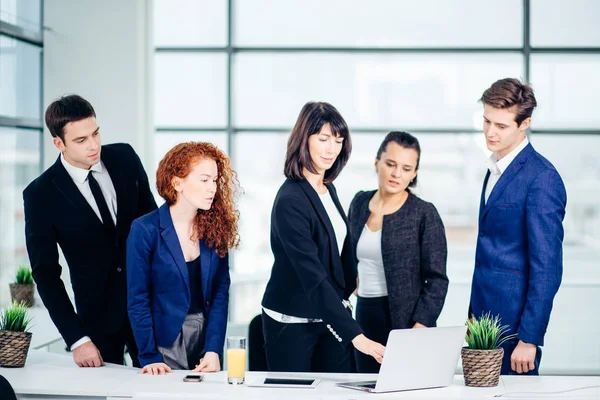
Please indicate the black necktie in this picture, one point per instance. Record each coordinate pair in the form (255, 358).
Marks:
(109, 225)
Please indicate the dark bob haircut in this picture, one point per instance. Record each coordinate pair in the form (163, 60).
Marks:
(310, 121)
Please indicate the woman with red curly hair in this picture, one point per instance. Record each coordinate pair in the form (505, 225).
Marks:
(177, 262)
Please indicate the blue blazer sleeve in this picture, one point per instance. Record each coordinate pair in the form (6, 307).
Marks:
(217, 315)
(140, 247)
(545, 210)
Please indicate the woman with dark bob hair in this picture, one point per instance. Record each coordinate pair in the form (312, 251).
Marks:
(400, 245)
(307, 322)
(177, 262)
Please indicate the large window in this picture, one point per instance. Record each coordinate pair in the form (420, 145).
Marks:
(20, 126)
(237, 72)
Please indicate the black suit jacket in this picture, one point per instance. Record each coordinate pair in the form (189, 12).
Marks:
(56, 213)
(309, 279)
(414, 251)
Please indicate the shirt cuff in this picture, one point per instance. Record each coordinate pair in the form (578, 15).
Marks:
(81, 341)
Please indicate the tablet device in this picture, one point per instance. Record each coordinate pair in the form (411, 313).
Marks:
(296, 383)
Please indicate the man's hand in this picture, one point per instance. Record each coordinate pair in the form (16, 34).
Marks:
(209, 363)
(87, 355)
(418, 325)
(522, 359)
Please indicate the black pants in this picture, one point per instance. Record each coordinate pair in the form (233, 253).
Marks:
(6, 390)
(112, 346)
(306, 347)
(373, 316)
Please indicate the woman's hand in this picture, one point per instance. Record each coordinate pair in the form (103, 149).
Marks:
(369, 347)
(209, 363)
(156, 369)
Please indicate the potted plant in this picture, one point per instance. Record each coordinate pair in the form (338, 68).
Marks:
(14, 338)
(23, 288)
(482, 358)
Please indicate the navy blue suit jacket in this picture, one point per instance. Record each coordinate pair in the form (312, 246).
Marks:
(519, 256)
(159, 288)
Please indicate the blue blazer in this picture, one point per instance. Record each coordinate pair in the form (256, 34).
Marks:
(159, 290)
(519, 257)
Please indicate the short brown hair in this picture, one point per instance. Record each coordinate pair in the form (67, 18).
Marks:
(510, 92)
(310, 121)
(71, 108)
(218, 225)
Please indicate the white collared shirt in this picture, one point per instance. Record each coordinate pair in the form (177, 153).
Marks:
(80, 175)
(497, 167)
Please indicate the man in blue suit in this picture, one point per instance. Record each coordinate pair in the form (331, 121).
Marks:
(518, 261)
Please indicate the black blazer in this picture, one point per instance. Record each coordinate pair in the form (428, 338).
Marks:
(57, 213)
(414, 251)
(309, 279)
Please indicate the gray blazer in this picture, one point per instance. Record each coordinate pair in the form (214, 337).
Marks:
(413, 246)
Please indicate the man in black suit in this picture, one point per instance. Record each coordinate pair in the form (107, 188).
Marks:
(85, 203)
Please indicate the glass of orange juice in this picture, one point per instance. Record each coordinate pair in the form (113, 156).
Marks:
(236, 360)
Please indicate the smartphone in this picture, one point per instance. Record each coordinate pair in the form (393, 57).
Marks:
(193, 378)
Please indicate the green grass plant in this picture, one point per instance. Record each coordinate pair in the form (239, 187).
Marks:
(486, 333)
(15, 318)
(23, 276)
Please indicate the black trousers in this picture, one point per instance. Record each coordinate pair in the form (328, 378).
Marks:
(373, 316)
(112, 346)
(6, 390)
(309, 347)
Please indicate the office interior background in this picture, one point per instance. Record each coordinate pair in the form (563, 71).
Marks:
(237, 72)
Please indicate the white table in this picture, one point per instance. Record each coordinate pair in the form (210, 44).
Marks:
(52, 376)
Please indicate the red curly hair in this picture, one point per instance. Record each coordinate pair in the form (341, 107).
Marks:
(218, 225)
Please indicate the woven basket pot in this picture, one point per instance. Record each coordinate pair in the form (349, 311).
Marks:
(13, 348)
(22, 293)
(481, 368)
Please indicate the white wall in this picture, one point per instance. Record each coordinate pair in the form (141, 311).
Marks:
(101, 50)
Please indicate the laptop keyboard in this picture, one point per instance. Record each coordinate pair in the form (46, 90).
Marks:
(368, 385)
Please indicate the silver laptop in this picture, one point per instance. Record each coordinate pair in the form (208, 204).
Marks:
(416, 359)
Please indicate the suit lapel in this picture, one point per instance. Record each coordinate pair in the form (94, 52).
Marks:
(112, 164)
(317, 204)
(169, 235)
(482, 200)
(339, 207)
(506, 178)
(206, 257)
(64, 183)
(364, 215)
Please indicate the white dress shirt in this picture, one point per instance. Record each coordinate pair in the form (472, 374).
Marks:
(80, 176)
(497, 167)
